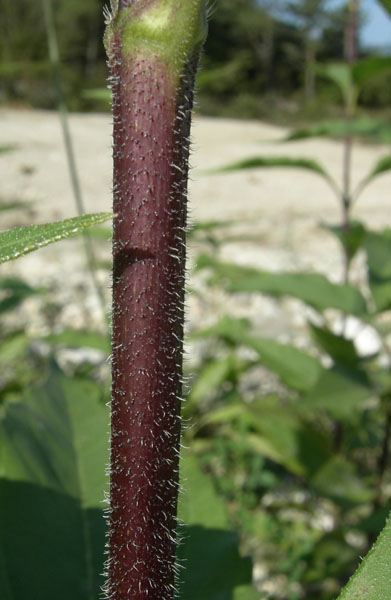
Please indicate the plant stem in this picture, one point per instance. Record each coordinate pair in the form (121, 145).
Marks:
(63, 113)
(153, 48)
(385, 454)
(351, 47)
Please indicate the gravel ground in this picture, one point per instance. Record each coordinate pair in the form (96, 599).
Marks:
(278, 210)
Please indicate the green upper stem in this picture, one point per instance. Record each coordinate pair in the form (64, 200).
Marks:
(172, 29)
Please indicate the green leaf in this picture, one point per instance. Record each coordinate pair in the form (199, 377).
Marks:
(78, 338)
(340, 391)
(341, 75)
(199, 504)
(101, 94)
(101, 233)
(209, 225)
(382, 166)
(215, 568)
(227, 328)
(54, 452)
(378, 248)
(14, 205)
(351, 239)
(372, 579)
(293, 443)
(275, 431)
(256, 162)
(312, 288)
(211, 377)
(48, 547)
(22, 240)
(386, 4)
(296, 368)
(14, 290)
(338, 479)
(367, 68)
(52, 480)
(6, 148)
(247, 592)
(57, 437)
(362, 127)
(14, 348)
(338, 347)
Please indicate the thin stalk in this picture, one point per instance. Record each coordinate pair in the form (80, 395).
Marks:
(384, 457)
(351, 47)
(74, 177)
(153, 48)
(351, 56)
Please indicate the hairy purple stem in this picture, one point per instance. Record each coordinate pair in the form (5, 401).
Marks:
(152, 113)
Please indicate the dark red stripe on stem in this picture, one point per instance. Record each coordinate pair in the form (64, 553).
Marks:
(150, 173)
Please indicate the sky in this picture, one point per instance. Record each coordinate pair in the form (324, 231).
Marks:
(377, 28)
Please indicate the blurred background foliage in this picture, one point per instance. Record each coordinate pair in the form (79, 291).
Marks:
(289, 444)
(258, 61)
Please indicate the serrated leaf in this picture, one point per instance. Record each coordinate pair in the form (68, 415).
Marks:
(372, 579)
(312, 288)
(19, 241)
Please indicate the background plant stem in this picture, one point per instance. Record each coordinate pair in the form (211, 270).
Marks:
(63, 113)
(351, 44)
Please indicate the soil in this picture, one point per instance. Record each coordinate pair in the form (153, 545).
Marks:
(273, 215)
